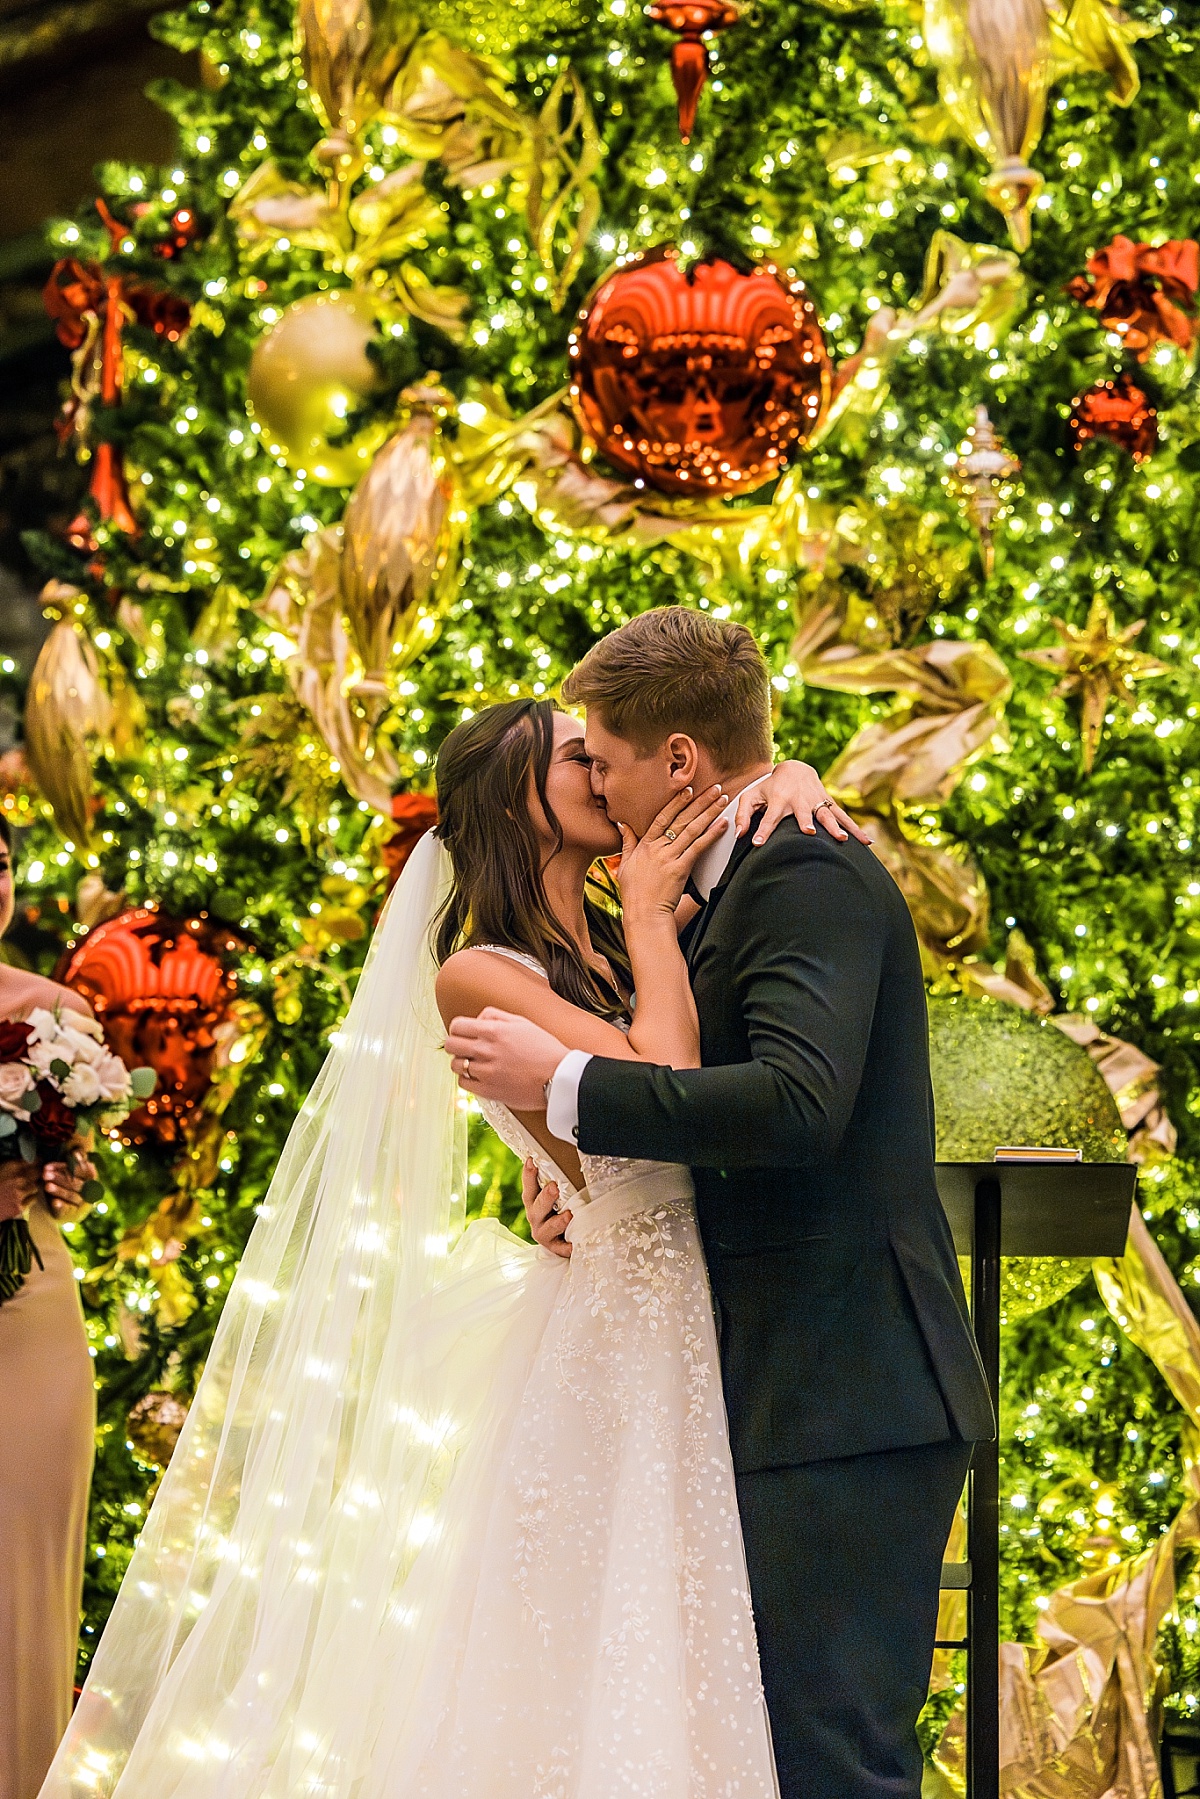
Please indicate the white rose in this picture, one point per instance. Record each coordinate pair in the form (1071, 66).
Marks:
(75, 1048)
(113, 1078)
(14, 1086)
(43, 1024)
(80, 1022)
(82, 1086)
(41, 1054)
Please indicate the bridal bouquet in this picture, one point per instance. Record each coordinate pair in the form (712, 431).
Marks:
(58, 1080)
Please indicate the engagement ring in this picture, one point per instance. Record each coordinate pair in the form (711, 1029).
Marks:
(670, 836)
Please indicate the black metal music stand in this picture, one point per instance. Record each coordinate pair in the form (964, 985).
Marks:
(1012, 1209)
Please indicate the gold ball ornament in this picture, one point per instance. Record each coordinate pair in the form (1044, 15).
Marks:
(1001, 1075)
(307, 374)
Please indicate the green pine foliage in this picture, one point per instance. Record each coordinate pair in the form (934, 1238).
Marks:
(817, 143)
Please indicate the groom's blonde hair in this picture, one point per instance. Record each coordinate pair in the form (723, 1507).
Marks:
(673, 669)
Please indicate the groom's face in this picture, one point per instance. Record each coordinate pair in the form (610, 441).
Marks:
(634, 784)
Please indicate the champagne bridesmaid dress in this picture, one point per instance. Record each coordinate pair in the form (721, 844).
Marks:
(47, 1437)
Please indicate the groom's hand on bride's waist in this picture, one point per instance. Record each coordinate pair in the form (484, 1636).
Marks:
(504, 1057)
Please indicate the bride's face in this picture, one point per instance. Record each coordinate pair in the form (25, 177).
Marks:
(580, 813)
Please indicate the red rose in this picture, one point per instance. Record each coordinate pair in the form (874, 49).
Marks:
(14, 1040)
(53, 1124)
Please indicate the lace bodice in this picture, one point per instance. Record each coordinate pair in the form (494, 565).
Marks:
(600, 1173)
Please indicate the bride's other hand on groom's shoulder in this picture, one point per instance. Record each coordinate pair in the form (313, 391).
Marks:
(794, 790)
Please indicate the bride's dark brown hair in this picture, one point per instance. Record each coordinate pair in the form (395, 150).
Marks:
(484, 770)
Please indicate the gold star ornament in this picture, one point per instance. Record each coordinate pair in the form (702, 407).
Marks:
(1097, 664)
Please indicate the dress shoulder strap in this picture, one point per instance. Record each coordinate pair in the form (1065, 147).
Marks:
(514, 955)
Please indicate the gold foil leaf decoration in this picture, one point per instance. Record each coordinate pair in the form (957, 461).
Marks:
(565, 154)
(348, 63)
(268, 207)
(967, 290)
(953, 700)
(303, 603)
(454, 106)
(399, 564)
(1132, 1079)
(1090, 35)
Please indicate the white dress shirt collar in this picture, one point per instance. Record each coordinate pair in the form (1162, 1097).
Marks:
(711, 865)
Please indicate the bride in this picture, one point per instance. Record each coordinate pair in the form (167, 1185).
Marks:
(451, 1516)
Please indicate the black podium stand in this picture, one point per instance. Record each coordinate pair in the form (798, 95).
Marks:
(1012, 1209)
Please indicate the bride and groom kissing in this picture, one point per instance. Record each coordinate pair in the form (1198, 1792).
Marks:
(655, 1505)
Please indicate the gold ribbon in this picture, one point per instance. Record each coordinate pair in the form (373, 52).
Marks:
(953, 696)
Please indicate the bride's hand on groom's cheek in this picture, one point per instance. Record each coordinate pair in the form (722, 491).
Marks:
(547, 1224)
(503, 1057)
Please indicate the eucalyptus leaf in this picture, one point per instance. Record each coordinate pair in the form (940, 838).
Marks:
(143, 1081)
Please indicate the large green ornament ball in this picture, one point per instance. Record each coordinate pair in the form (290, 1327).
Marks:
(1001, 1076)
(307, 374)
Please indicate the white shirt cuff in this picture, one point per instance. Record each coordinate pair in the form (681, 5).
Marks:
(562, 1107)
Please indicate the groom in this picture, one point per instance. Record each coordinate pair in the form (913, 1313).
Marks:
(852, 1383)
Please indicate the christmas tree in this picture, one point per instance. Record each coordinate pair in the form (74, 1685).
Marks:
(922, 305)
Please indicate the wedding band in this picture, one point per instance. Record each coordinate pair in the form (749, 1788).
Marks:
(466, 1068)
(825, 804)
(670, 836)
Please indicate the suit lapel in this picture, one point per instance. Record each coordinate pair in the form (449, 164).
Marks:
(741, 850)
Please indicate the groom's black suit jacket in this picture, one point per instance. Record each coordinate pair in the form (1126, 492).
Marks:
(809, 1130)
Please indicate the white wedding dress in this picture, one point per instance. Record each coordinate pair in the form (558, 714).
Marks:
(515, 1572)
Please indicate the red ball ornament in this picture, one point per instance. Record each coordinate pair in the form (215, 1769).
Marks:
(698, 383)
(1118, 410)
(160, 987)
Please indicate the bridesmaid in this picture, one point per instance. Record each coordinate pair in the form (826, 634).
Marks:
(47, 1435)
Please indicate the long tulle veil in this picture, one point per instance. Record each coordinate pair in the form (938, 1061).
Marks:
(318, 1440)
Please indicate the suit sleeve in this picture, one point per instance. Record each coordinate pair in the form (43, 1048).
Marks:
(806, 969)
